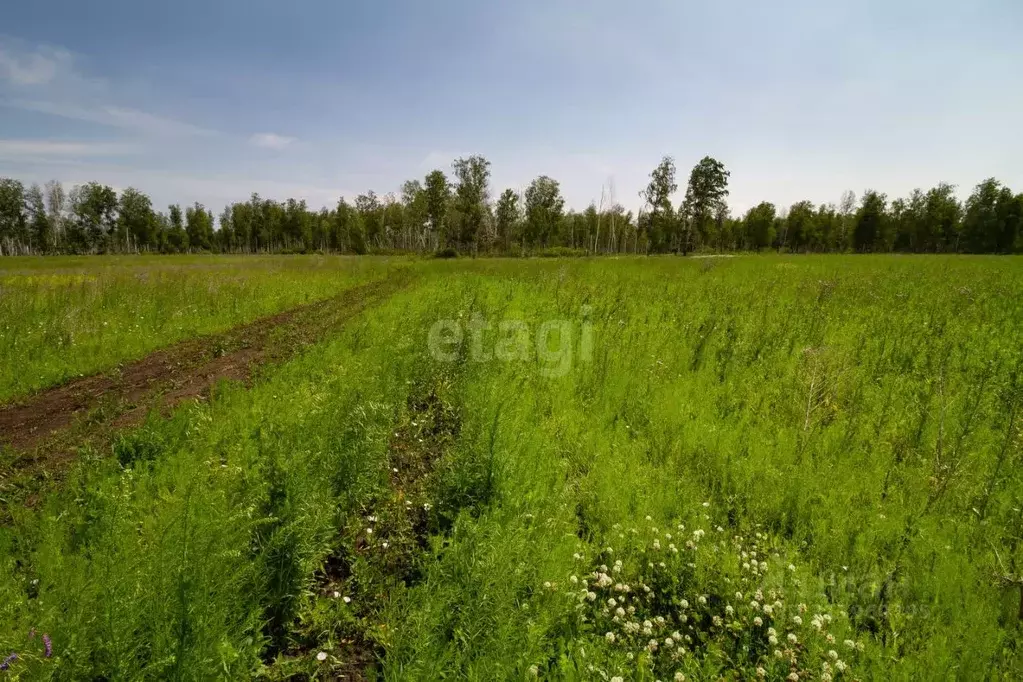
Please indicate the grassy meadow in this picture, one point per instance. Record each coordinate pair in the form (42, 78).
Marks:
(802, 468)
(65, 317)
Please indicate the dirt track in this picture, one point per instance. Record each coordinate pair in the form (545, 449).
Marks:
(47, 427)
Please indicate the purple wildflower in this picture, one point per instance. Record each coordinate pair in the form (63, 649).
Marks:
(7, 661)
(48, 644)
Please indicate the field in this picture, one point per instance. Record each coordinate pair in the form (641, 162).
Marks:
(761, 467)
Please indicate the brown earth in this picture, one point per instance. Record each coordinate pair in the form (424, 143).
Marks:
(47, 428)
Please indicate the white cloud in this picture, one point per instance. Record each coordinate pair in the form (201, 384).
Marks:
(49, 149)
(36, 68)
(46, 80)
(271, 141)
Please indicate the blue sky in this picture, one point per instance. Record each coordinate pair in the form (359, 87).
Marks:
(209, 101)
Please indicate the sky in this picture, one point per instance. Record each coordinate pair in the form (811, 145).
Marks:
(314, 99)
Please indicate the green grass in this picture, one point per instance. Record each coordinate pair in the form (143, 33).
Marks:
(852, 420)
(68, 317)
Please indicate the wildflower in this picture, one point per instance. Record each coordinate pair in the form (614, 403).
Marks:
(772, 631)
(337, 595)
(778, 653)
(384, 544)
(754, 605)
(850, 644)
(7, 661)
(618, 678)
(347, 600)
(649, 518)
(826, 677)
(792, 638)
(669, 642)
(577, 556)
(702, 599)
(768, 609)
(797, 620)
(574, 580)
(322, 656)
(679, 677)
(647, 625)
(761, 672)
(652, 645)
(833, 655)
(534, 671)
(677, 636)
(717, 621)
(830, 637)
(706, 504)
(547, 585)
(793, 677)
(729, 610)
(684, 604)
(610, 637)
(773, 640)
(657, 545)
(758, 621)
(659, 620)
(620, 612)
(840, 666)
(612, 603)
(792, 568)
(427, 506)
(591, 596)
(738, 596)
(369, 531)
(372, 519)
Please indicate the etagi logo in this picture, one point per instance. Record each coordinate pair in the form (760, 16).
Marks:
(553, 343)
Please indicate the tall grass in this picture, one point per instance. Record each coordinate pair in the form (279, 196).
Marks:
(850, 419)
(63, 318)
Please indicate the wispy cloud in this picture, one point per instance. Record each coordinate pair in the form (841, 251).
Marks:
(271, 141)
(47, 80)
(34, 68)
(49, 149)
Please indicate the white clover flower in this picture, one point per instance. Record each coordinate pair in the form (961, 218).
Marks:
(649, 518)
(369, 531)
(772, 631)
(684, 618)
(840, 666)
(763, 565)
(620, 612)
(833, 655)
(859, 646)
(534, 671)
(797, 620)
(631, 610)
(830, 637)
(547, 585)
(761, 672)
(717, 621)
(679, 677)
(802, 608)
(336, 594)
(793, 677)
(322, 656)
(591, 596)
(667, 536)
(652, 645)
(826, 667)
(754, 605)
(729, 610)
(669, 642)
(792, 638)
(850, 644)
(677, 636)
(792, 568)
(647, 625)
(672, 548)
(654, 530)
(574, 580)
(609, 550)
(702, 599)
(577, 556)
(684, 604)
(772, 640)
(778, 653)
(610, 637)
(768, 609)
(758, 621)
(347, 600)
(659, 620)
(826, 677)
(657, 545)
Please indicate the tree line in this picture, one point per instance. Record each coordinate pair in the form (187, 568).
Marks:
(457, 213)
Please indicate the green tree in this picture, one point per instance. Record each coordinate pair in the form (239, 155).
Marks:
(472, 192)
(870, 226)
(982, 224)
(941, 224)
(544, 209)
(508, 217)
(39, 226)
(661, 223)
(177, 238)
(94, 215)
(704, 202)
(136, 219)
(13, 221)
(199, 227)
(438, 197)
(758, 225)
